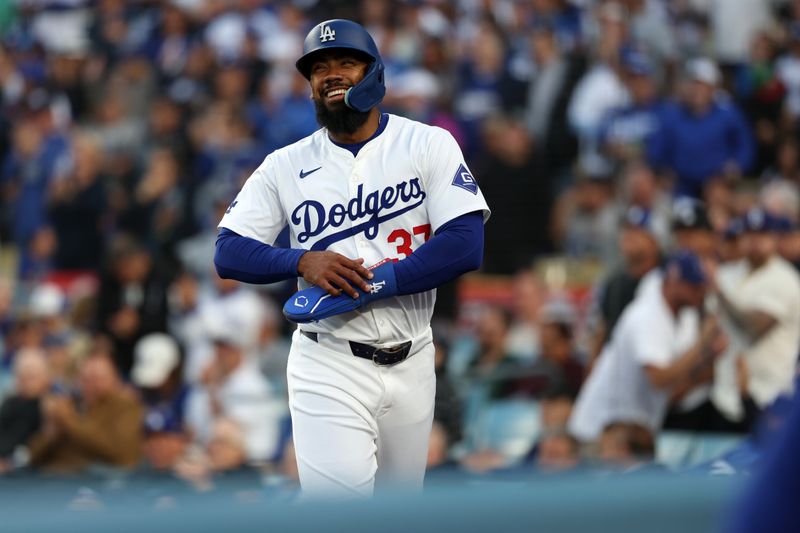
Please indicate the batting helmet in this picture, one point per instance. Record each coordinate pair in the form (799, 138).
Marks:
(340, 33)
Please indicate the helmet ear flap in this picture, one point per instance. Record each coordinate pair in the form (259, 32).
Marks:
(369, 92)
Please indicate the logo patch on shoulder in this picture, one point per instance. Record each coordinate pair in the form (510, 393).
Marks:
(465, 180)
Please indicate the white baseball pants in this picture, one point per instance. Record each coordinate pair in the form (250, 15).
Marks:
(356, 424)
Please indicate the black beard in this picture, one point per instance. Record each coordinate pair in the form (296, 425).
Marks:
(341, 120)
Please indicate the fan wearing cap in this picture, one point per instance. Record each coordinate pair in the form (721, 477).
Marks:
(644, 364)
(641, 254)
(704, 136)
(691, 228)
(627, 133)
(760, 307)
(157, 373)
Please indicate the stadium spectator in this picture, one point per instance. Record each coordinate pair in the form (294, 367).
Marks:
(272, 350)
(438, 448)
(75, 206)
(20, 413)
(641, 253)
(35, 160)
(549, 92)
(483, 82)
(448, 411)
(734, 23)
(691, 228)
(639, 187)
(585, 219)
(704, 137)
(556, 452)
(104, 428)
(223, 460)
(627, 132)
(761, 94)
(643, 365)
(511, 175)
(558, 357)
(730, 246)
(787, 68)
(132, 299)
(786, 163)
(600, 91)
(650, 26)
(156, 212)
(626, 446)
(493, 365)
(233, 387)
(759, 302)
(157, 374)
(198, 310)
(556, 408)
(529, 300)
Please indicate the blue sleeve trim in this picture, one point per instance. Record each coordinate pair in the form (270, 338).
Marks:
(248, 260)
(456, 248)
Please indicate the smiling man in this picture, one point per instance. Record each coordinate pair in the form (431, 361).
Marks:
(381, 210)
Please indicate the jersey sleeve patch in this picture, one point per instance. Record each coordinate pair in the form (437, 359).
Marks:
(464, 179)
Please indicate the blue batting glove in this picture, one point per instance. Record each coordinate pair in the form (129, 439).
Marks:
(314, 303)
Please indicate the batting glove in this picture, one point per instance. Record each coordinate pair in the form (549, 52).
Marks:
(314, 303)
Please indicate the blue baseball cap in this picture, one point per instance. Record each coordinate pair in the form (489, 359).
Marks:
(688, 267)
(636, 62)
(761, 221)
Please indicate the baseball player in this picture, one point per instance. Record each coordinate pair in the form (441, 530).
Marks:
(381, 210)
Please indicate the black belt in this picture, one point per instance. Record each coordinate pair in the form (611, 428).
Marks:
(379, 356)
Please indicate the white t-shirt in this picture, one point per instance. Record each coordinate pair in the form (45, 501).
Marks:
(383, 203)
(773, 289)
(618, 389)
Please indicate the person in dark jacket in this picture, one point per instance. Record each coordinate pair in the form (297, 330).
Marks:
(132, 300)
(20, 413)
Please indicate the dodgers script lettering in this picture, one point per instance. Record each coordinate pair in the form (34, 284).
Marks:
(313, 218)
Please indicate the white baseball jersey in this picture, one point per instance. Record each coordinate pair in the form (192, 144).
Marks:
(383, 203)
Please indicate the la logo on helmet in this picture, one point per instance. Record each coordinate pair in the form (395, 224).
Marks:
(327, 34)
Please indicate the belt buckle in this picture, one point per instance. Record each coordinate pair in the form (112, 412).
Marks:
(389, 351)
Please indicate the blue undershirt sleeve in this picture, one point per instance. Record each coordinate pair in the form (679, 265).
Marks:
(248, 260)
(456, 248)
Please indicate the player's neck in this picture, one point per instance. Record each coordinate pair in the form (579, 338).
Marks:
(363, 133)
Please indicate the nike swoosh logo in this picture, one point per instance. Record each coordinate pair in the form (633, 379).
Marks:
(304, 174)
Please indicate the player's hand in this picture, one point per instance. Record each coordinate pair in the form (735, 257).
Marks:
(314, 303)
(334, 273)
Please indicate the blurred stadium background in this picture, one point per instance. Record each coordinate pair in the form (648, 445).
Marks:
(605, 134)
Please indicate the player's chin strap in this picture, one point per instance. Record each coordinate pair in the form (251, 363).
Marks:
(369, 92)
(315, 303)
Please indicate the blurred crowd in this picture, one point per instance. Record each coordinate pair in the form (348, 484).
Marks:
(654, 142)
